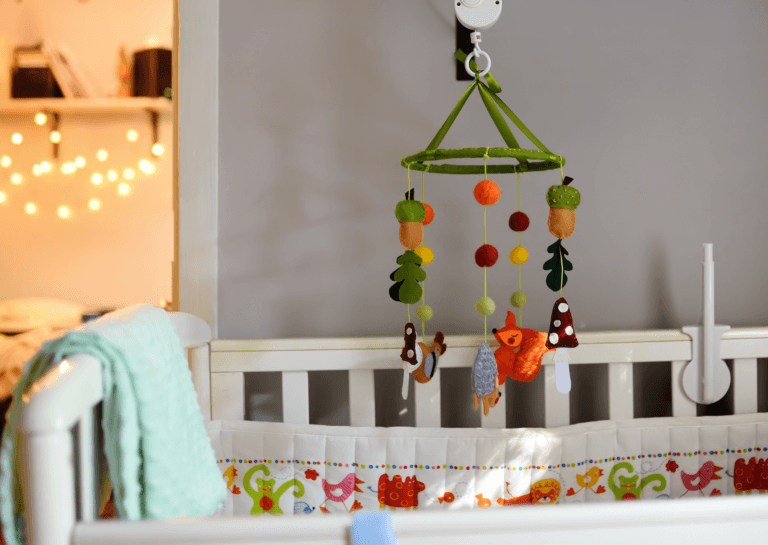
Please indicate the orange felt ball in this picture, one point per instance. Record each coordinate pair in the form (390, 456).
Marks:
(430, 214)
(487, 192)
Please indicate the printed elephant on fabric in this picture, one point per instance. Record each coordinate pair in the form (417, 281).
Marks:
(398, 492)
(265, 499)
(750, 476)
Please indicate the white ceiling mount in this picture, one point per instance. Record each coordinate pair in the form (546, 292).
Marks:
(477, 14)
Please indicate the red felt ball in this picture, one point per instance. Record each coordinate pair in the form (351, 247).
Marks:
(430, 214)
(487, 192)
(486, 256)
(519, 221)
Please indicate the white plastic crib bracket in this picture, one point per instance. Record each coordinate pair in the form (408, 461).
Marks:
(706, 378)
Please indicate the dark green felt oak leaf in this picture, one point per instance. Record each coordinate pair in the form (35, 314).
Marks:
(407, 289)
(557, 271)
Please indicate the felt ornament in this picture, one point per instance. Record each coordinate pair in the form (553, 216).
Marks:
(429, 214)
(519, 221)
(408, 277)
(562, 201)
(520, 351)
(425, 254)
(420, 360)
(486, 256)
(518, 299)
(485, 306)
(518, 255)
(561, 333)
(424, 313)
(485, 379)
(562, 337)
(411, 214)
(557, 264)
(487, 192)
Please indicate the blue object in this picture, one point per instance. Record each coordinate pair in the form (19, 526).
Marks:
(370, 528)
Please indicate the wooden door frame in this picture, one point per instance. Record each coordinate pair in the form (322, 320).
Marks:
(195, 158)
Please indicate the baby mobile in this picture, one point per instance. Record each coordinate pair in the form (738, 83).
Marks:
(520, 350)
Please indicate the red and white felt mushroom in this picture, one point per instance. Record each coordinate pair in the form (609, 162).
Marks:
(561, 333)
(562, 337)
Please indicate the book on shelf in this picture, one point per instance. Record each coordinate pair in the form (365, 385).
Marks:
(74, 81)
(31, 74)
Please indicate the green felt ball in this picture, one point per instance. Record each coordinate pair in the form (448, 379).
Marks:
(563, 196)
(410, 211)
(485, 306)
(518, 299)
(424, 313)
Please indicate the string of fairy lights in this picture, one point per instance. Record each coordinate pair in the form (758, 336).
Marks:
(99, 174)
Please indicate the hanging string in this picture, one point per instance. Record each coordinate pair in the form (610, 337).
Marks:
(485, 241)
(409, 177)
(560, 249)
(519, 267)
(424, 284)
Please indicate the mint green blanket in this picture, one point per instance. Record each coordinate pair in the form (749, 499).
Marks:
(159, 456)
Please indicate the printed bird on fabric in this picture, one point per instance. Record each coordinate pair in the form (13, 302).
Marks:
(705, 475)
(341, 492)
(590, 478)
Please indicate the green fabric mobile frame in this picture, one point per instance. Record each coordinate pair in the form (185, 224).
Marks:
(528, 160)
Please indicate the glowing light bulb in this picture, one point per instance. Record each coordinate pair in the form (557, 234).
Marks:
(132, 135)
(68, 168)
(112, 175)
(16, 178)
(5, 161)
(146, 166)
(37, 170)
(16, 138)
(129, 174)
(96, 178)
(40, 119)
(94, 204)
(30, 208)
(55, 137)
(64, 212)
(158, 149)
(102, 155)
(3, 198)
(80, 161)
(123, 189)
(46, 166)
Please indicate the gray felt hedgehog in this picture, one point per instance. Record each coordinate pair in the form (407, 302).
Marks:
(485, 379)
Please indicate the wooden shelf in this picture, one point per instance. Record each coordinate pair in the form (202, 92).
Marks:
(86, 106)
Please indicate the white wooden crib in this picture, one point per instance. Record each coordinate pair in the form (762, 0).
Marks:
(60, 488)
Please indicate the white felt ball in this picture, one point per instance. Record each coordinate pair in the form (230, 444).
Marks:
(557, 323)
(569, 330)
(553, 338)
(562, 307)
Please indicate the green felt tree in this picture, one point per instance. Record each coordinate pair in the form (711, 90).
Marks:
(407, 279)
(557, 265)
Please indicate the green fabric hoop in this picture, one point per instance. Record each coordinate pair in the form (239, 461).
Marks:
(421, 161)
(543, 158)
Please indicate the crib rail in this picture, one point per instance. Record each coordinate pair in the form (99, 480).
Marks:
(726, 520)
(620, 350)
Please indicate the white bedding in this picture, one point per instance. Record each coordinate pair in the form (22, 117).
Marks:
(15, 351)
(309, 467)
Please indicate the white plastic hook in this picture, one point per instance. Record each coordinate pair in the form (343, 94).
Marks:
(477, 52)
(706, 378)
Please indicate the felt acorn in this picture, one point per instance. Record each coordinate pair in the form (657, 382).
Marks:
(562, 201)
(411, 215)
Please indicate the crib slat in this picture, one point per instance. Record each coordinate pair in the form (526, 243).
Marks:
(296, 397)
(745, 385)
(200, 365)
(428, 403)
(362, 403)
(681, 403)
(620, 392)
(86, 454)
(557, 406)
(228, 396)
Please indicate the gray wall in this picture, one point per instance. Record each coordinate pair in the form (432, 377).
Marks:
(660, 108)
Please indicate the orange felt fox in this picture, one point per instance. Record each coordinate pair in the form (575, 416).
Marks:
(520, 351)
